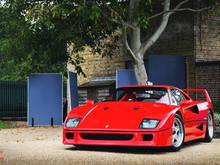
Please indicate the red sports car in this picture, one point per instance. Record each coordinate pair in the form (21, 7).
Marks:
(142, 116)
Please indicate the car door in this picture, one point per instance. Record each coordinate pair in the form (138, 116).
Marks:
(190, 112)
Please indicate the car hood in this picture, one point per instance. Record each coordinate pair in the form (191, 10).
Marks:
(120, 115)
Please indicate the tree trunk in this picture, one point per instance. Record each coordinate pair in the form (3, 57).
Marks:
(137, 49)
(140, 71)
(135, 45)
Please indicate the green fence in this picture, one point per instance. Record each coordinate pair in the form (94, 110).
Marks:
(13, 99)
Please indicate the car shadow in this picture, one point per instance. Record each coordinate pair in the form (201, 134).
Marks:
(120, 149)
(192, 143)
(132, 150)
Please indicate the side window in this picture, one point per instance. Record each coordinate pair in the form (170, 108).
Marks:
(177, 96)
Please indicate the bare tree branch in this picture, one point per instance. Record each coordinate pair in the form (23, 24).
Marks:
(134, 34)
(178, 10)
(147, 44)
(166, 14)
(127, 45)
(125, 25)
(163, 12)
(181, 4)
(190, 9)
(133, 4)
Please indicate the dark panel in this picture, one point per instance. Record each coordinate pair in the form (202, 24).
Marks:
(13, 100)
(73, 89)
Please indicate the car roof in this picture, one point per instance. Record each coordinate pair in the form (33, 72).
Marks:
(152, 86)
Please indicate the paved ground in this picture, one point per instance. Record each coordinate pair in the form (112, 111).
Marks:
(43, 146)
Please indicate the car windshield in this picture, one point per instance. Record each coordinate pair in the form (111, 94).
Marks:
(142, 94)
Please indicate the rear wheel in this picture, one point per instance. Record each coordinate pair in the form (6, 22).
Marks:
(178, 133)
(209, 128)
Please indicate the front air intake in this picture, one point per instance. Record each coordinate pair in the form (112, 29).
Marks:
(90, 136)
(69, 135)
(147, 137)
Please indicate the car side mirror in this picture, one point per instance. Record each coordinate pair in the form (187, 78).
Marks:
(89, 102)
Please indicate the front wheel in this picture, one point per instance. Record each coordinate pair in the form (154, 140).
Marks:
(209, 128)
(178, 133)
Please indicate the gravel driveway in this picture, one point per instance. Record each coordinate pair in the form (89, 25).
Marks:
(44, 146)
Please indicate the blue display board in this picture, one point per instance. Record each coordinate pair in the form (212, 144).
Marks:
(45, 99)
(125, 77)
(168, 70)
(73, 89)
(162, 69)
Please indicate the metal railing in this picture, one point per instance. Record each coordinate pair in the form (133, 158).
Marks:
(13, 100)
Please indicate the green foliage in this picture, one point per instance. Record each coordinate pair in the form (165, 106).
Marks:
(34, 34)
(217, 9)
(24, 50)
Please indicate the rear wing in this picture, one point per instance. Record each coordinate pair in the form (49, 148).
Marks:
(198, 93)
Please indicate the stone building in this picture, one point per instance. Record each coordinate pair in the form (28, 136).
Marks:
(207, 54)
(191, 35)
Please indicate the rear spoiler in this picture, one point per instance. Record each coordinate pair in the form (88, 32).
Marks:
(203, 91)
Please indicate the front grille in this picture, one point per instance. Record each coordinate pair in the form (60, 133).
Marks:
(90, 136)
(69, 135)
(147, 137)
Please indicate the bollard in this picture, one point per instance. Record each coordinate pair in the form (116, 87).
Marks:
(32, 122)
(51, 121)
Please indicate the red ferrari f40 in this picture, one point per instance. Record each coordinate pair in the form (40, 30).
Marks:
(151, 115)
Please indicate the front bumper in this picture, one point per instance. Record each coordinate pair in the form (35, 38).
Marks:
(117, 137)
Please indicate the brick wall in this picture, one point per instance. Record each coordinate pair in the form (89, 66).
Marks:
(178, 37)
(95, 65)
(207, 39)
(207, 51)
(208, 76)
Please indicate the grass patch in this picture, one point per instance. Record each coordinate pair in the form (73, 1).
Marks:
(5, 124)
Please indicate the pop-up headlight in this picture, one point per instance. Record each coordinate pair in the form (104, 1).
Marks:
(72, 122)
(149, 123)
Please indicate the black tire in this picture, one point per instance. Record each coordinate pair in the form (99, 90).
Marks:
(209, 133)
(176, 147)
